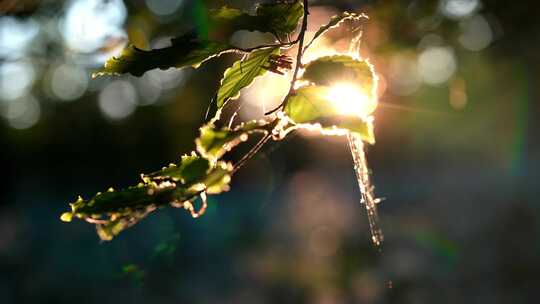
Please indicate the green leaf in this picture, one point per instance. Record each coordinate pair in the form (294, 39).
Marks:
(113, 211)
(310, 106)
(242, 73)
(184, 51)
(335, 21)
(329, 70)
(214, 143)
(113, 200)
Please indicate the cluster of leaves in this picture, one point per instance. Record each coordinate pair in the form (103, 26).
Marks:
(203, 171)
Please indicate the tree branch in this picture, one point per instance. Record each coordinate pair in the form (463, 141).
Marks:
(299, 54)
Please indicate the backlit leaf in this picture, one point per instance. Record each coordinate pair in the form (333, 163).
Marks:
(242, 73)
(329, 70)
(310, 107)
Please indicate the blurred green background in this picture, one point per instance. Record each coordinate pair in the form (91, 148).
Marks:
(456, 158)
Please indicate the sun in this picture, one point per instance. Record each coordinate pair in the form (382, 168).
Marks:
(351, 99)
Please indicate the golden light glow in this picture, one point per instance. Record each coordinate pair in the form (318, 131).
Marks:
(351, 99)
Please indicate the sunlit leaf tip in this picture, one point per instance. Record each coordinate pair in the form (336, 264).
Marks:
(66, 217)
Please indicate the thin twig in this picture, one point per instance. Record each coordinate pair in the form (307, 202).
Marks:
(252, 152)
(300, 41)
(299, 54)
(251, 49)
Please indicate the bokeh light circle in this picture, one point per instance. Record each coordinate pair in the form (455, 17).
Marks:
(68, 82)
(436, 65)
(22, 113)
(118, 100)
(16, 79)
